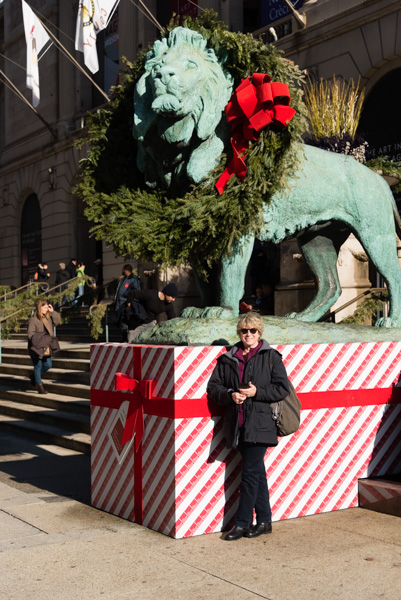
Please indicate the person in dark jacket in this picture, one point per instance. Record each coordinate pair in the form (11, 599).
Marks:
(40, 341)
(72, 268)
(127, 283)
(62, 276)
(243, 383)
(152, 304)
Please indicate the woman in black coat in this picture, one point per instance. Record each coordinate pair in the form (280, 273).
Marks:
(243, 383)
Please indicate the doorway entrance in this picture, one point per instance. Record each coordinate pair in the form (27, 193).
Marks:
(31, 238)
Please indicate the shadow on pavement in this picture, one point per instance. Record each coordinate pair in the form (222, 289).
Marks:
(33, 466)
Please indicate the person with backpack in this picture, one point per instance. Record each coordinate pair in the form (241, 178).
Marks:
(245, 384)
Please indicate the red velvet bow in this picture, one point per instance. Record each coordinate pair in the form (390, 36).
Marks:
(134, 423)
(252, 107)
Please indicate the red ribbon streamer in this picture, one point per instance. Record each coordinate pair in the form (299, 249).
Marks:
(252, 107)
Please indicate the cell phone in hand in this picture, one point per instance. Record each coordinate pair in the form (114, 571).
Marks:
(243, 386)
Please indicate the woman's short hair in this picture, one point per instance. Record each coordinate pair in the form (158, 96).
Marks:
(62, 266)
(38, 306)
(251, 320)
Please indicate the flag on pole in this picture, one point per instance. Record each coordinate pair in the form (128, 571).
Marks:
(36, 38)
(93, 16)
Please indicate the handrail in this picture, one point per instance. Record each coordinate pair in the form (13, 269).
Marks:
(22, 287)
(2, 319)
(330, 315)
(88, 278)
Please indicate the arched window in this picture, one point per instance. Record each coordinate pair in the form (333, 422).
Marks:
(31, 238)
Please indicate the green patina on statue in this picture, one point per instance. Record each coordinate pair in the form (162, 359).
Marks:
(159, 199)
(179, 127)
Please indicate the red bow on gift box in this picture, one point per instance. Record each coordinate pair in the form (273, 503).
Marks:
(134, 423)
(253, 106)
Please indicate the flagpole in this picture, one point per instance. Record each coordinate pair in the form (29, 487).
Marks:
(63, 49)
(16, 90)
(155, 21)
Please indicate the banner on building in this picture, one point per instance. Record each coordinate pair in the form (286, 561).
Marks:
(93, 17)
(36, 38)
(274, 10)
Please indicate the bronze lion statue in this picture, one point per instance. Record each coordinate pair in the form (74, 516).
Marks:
(181, 130)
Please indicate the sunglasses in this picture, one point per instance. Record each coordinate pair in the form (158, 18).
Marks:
(253, 331)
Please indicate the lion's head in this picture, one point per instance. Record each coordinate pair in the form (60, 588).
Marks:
(178, 106)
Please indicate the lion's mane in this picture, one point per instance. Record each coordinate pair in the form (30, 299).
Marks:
(179, 101)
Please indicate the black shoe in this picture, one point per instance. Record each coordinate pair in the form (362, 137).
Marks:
(41, 389)
(235, 533)
(258, 529)
(32, 380)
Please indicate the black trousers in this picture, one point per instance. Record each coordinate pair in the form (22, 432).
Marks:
(254, 492)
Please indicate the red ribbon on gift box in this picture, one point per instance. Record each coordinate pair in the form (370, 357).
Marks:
(253, 106)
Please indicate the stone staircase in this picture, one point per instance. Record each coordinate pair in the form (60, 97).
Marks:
(61, 417)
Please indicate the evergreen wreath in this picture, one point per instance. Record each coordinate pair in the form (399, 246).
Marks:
(201, 226)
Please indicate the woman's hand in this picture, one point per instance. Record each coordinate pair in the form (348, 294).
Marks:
(250, 391)
(238, 397)
(50, 308)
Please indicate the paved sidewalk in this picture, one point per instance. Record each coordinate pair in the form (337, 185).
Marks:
(53, 545)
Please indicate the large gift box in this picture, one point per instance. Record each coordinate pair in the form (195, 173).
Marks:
(158, 453)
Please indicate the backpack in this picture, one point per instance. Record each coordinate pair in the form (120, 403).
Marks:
(137, 310)
(286, 412)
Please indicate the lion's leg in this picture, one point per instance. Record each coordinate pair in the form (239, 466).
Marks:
(320, 251)
(381, 248)
(233, 271)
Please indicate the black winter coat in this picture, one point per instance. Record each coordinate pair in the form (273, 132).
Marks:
(259, 426)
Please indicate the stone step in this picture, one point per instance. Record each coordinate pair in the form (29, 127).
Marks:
(70, 389)
(381, 494)
(83, 353)
(70, 422)
(73, 364)
(55, 373)
(24, 393)
(47, 433)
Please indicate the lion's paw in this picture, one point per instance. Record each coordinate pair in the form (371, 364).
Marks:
(387, 322)
(292, 315)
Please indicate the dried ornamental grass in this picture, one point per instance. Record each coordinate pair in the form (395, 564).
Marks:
(334, 107)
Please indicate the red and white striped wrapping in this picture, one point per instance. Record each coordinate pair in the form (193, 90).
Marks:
(183, 482)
